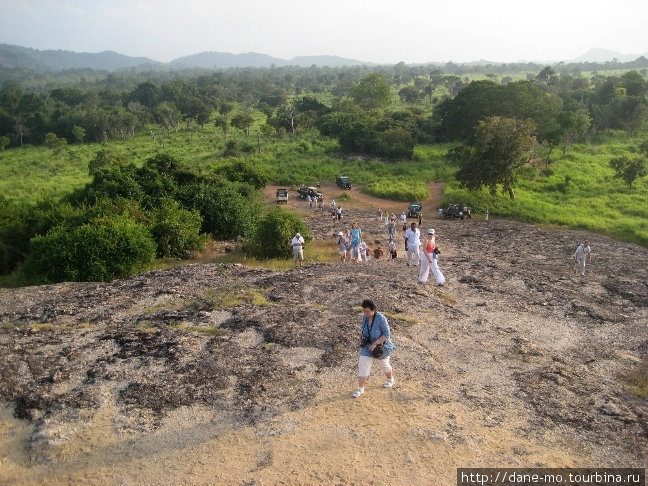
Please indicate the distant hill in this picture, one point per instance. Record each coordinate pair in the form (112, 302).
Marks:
(217, 60)
(605, 55)
(223, 60)
(50, 60)
(56, 60)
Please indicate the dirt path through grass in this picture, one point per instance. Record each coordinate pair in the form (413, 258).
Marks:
(359, 199)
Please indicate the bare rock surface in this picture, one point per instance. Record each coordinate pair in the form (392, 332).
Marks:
(222, 374)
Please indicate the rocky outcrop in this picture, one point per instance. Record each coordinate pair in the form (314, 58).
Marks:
(514, 330)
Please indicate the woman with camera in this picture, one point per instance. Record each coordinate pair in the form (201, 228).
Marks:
(376, 345)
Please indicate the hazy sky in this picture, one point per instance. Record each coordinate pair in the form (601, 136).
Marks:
(382, 31)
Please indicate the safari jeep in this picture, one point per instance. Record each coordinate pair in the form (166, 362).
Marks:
(456, 211)
(414, 210)
(308, 191)
(282, 196)
(343, 181)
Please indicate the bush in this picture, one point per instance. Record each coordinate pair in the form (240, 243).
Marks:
(274, 232)
(19, 222)
(176, 230)
(102, 250)
(226, 213)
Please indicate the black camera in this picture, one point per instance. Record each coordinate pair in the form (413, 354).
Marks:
(365, 342)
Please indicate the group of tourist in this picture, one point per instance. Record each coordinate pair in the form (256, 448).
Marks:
(376, 345)
(352, 246)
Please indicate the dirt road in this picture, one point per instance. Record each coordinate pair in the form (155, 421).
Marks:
(360, 200)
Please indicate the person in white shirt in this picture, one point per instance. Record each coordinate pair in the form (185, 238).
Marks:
(413, 242)
(363, 251)
(297, 244)
(582, 253)
(403, 217)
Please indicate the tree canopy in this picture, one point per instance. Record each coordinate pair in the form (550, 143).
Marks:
(499, 148)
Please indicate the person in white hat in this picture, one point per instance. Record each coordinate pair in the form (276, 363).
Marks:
(297, 244)
(429, 260)
(343, 245)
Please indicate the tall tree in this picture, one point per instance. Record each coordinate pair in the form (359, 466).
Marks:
(500, 147)
(242, 121)
(371, 92)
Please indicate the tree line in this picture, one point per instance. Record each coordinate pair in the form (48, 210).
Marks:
(429, 109)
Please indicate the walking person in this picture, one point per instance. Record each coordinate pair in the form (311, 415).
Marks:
(364, 251)
(347, 239)
(393, 252)
(297, 244)
(413, 245)
(429, 260)
(342, 244)
(391, 229)
(582, 253)
(376, 346)
(356, 239)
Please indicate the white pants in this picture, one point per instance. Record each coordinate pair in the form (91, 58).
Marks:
(580, 265)
(426, 266)
(413, 254)
(365, 362)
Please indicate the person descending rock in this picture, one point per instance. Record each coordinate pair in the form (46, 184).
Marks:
(364, 251)
(343, 245)
(375, 346)
(429, 260)
(297, 244)
(582, 253)
(393, 252)
(356, 239)
(413, 245)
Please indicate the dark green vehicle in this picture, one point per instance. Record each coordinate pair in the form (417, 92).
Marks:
(343, 181)
(414, 210)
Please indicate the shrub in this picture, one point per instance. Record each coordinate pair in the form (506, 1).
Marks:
(175, 230)
(19, 222)
(226, 213)
(102, 250)
(274, 232)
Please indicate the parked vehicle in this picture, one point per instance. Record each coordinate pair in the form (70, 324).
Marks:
(414, 210)
(282, 196)
(308, 191)
(456, 211)
(343, 181)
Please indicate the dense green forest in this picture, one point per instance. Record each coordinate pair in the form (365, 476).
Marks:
(102, 173)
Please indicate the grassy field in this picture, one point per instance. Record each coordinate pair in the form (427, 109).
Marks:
(577, 190)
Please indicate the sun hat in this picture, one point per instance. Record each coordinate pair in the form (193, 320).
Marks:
(340, 234)
(297, 234)
(431, 231)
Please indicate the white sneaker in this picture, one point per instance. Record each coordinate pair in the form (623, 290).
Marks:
(358, 392)
(389, 383)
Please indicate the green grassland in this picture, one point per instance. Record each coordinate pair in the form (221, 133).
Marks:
(576, 190)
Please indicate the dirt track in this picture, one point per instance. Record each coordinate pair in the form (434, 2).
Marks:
(360, 200)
